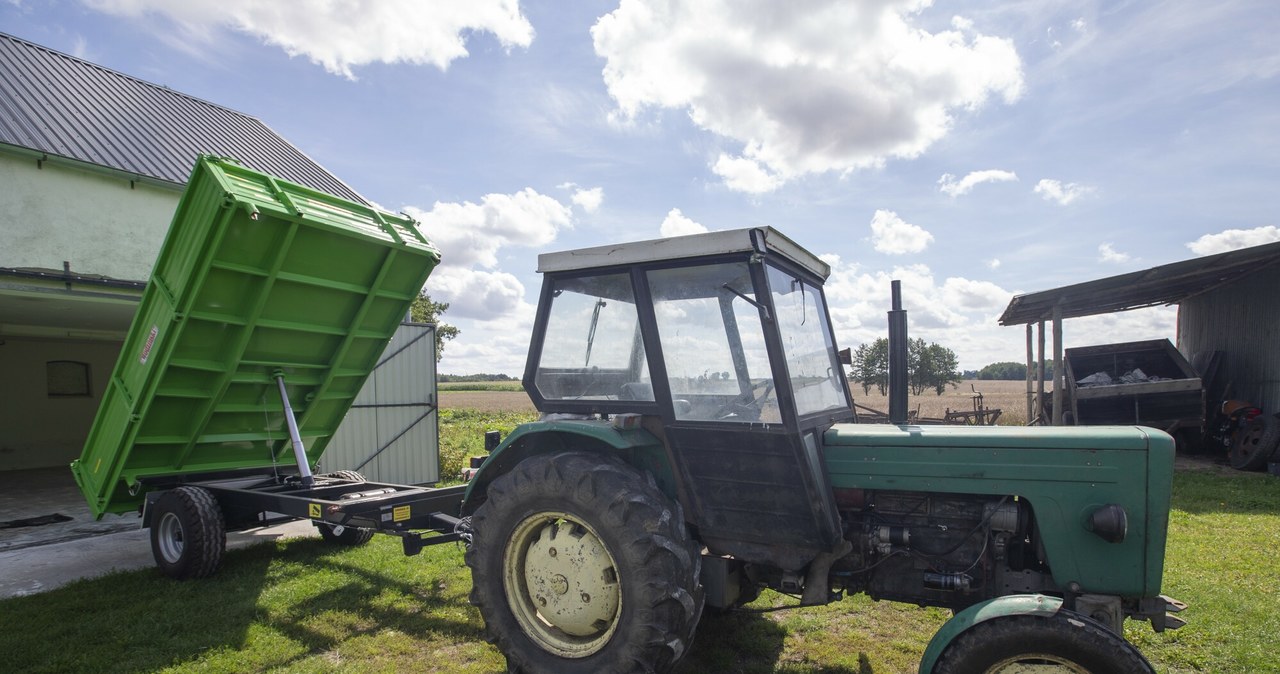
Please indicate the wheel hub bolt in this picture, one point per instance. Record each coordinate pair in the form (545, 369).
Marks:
(559, 584)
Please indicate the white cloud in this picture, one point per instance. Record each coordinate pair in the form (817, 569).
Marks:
(993, 263)
(343, 35)
(1106, 253)
(745, 175)
(676, 224)
(836, 86)
(470, 234)
(957, 313)
(961, 314)
(1080, 25)
(1056, 190)
(1233, 239)
(949, 185)
(475, 294)
(588, 199)
(470, 237)
(895, 236)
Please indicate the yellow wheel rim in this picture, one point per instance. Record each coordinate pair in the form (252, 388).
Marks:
(562, 584)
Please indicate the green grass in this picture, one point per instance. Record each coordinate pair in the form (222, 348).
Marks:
(301, 606)
(1223, 559)
(462, 435)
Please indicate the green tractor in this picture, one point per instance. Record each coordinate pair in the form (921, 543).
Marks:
(697, 444)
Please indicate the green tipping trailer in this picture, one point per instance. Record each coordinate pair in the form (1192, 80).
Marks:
(267, 308)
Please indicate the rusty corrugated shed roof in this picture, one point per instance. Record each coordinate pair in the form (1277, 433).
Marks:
(1167, 284)
(63, 106)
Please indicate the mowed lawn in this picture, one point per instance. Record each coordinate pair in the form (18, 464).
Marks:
(302, 606)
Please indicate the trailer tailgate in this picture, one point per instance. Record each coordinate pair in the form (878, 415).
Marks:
(256, 277)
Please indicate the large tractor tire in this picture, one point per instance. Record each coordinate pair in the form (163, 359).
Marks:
(1253, 445)
(1063, 643)
(580, 564)
(336, 534)
(188, 534)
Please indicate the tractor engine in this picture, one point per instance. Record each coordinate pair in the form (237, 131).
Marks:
(948, 550)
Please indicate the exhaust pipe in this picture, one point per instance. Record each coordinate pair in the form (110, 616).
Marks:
(897, 358)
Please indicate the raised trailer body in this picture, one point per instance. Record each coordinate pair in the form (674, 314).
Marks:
(267, 308)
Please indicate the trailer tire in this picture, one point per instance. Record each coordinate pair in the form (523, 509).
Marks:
(336, 534)
(1073, 643)
(1253, 445)
(188, 534)
(622, 595)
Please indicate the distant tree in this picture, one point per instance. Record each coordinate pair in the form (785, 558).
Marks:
(871, 366)
(929, 366)
(463, 378)
(425, 310)
(1008, 370)
(943, 368)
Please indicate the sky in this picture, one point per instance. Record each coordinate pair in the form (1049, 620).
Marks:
(973, 150)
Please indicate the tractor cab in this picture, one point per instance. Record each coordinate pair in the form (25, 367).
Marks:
(722, 344)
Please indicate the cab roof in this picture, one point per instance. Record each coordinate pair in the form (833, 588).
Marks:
(765, 240)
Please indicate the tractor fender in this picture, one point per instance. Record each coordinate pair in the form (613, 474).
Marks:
(1000, 607)
(636, 446)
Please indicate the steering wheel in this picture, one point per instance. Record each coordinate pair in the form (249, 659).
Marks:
(748, 409)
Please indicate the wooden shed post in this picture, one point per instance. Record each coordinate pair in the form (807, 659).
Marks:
(1030, 371)
(1058, 374)
(1040, 372)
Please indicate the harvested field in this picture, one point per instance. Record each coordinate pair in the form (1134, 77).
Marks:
(486, 401)
(1009, 396)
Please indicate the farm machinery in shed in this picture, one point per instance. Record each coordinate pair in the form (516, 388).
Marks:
(695, 447)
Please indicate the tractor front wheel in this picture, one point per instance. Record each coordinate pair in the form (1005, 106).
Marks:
(580, 564)
(1064, 643)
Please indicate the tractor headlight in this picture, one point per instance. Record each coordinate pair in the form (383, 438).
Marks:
(1110, 523)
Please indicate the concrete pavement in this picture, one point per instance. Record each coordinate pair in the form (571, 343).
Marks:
(39, 568)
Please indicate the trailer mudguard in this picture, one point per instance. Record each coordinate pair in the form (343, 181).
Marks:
(636, 446)
(1000, 607)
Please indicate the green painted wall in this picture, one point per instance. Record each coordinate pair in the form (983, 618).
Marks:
(101, 224)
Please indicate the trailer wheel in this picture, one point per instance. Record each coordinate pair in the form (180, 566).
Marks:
(188, 535)
(580, 564)
(1253, 444)
(336, 534)
(1065, 642)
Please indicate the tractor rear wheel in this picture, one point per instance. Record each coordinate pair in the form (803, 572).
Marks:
(188, 534)
(579, 564)
(1063, 643)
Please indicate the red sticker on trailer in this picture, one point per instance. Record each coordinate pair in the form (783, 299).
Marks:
(146, 348)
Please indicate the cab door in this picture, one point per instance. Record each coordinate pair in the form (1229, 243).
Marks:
(749, 458)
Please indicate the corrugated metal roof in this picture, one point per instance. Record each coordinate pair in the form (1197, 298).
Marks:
(67, 107)
(1167, 284)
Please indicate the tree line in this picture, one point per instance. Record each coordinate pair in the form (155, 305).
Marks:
(929, 366)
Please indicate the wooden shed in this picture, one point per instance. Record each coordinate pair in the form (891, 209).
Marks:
(1228, 321)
